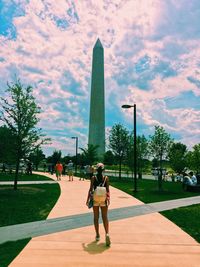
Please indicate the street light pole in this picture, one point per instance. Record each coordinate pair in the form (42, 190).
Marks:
(135, 143)
(75, 137)
(135, 148)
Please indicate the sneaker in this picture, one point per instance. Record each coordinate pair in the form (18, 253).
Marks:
(108, 242)
(97, 237)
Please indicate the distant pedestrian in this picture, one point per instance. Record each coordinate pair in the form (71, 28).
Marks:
(172, 177)
(44, 167)
(100, 194)
(87, 171)
(186, 179)
(193, 178)
(52, 169)
(58, 169)
(82, 172)
(155, 173)
(29, 168)
(49, 168)
(179, 177)
(64, 169)
(165, 175)
(70, 168)
(3, 168)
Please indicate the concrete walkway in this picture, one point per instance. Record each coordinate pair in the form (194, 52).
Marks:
(49, 226)
(27, 182)
(148, 241)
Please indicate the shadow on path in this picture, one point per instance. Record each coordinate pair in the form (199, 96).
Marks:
(95, 247)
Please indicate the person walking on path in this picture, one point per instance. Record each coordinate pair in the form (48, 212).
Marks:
(52, 169)
(29, 168)
(64, 169)
(3, 168)
(193, 178)
(87, 171)
(70, 167)
(44, 167)
(101, 202)
(82, 174)
(58, 169)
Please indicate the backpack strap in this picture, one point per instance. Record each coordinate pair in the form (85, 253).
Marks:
(105, 178)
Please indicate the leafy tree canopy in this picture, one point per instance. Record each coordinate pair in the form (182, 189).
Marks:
(7, 146)
(19, 112)
(177, 157)
(90, 154)
(160, 143)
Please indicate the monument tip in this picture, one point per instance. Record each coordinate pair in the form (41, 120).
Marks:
(98, 43)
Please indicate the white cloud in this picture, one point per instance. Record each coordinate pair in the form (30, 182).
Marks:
(129, 30)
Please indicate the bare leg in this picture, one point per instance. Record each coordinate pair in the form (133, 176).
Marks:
(96, 219)
(104, 214)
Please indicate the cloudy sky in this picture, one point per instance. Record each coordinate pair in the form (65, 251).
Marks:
(152, 58)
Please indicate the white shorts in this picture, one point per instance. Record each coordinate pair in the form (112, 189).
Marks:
(99, 203)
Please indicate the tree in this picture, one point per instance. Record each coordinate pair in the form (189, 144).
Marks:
(155, 163)
(66, 159)
(159, 146)
(55, 157)
(142, 153)
(90, 154)
(109, 158)
(36, 157)
(193, 158)
(177, 157)
(118, 143)
(20, 114)
(129, 154)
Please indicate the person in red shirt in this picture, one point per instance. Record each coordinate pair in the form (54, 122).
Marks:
(58, 169)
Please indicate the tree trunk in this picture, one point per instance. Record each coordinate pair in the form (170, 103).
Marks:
(139, 168)
(160, 181)
(120, 168)
(16, 174)
(160, 176)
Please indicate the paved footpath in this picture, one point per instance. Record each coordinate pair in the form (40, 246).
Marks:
(148, 240)
(28, 182)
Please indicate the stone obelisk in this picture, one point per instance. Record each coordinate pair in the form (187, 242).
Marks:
(97, 105)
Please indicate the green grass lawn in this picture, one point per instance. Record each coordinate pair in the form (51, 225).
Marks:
(29, 203)
(187, 218)
(23, 177)
(148, 190)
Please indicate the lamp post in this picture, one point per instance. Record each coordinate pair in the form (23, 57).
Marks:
(75, 137)
(135, 143)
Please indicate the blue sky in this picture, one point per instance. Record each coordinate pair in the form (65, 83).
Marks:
(152, 58)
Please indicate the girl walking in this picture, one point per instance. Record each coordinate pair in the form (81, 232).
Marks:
(101, 202)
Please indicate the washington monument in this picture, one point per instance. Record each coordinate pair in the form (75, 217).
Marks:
(97, 105)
